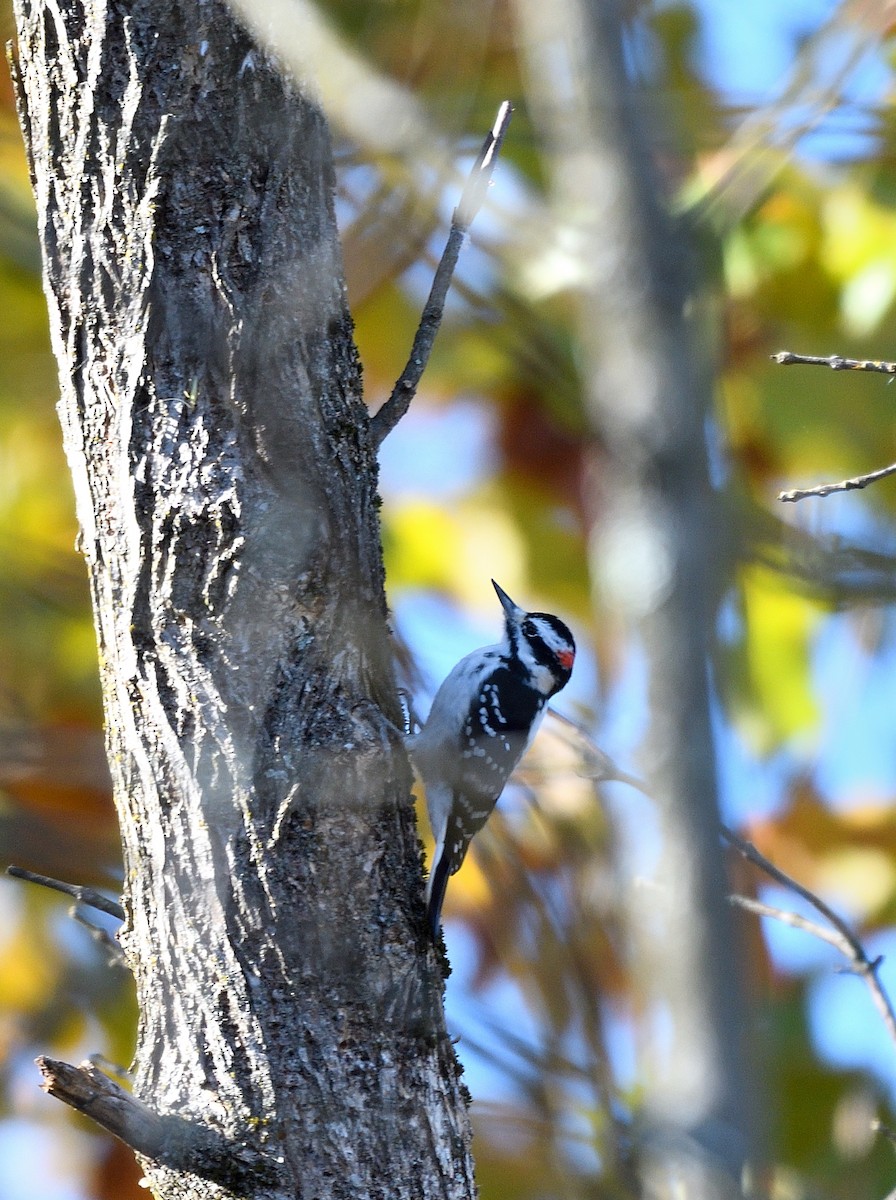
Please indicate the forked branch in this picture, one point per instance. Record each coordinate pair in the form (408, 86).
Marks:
(837, 932)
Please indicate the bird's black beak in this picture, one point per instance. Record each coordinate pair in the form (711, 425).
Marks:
(513, 611)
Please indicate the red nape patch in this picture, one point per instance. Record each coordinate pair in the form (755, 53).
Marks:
(566, 658)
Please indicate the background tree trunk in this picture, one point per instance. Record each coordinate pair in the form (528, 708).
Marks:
(656, 563)
(225, 481)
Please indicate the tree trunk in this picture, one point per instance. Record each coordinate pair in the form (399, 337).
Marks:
(291, 1038)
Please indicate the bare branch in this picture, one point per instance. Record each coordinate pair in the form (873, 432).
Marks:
(794, 920)
(108, 944)
(748, 851)
(88, 1090)
(786, 358)
(84, 895)
(480, 177)
(845, 485)
(167, 1139)
(845, 938)
(598, 764)
(472, 198)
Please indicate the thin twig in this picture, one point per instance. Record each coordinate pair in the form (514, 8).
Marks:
(786, 358)
(845, 485)
(850, 946)
(599, 766)
(794, 920)
(84, 895)
(108, 944)
(108, 1067)
(749, 852)
(472, 198)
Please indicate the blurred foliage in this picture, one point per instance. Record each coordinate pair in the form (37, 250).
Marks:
(795, 252)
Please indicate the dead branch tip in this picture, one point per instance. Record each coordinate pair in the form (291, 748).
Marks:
(168, 1139)
(387, 417)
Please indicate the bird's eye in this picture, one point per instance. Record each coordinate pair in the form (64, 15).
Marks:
(529, 628)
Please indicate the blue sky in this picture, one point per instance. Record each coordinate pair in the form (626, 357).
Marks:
(747, 53)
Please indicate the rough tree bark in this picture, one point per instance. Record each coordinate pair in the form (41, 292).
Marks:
(291, 1041)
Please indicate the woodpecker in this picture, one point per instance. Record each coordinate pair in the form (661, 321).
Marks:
(482, 721)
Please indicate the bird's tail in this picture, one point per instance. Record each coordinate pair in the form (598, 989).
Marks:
(435, 890)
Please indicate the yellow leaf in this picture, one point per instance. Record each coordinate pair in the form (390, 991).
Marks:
(779, 628)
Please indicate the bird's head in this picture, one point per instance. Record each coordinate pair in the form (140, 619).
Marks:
(541, 642)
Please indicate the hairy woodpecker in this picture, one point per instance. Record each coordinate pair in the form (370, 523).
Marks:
(482, 721)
